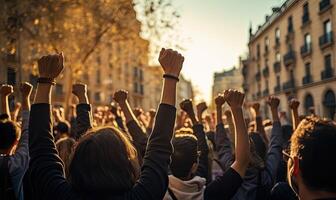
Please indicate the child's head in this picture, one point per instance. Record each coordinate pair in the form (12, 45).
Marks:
(185, 156)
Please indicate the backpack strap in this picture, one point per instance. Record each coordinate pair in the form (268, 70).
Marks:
(171, 193)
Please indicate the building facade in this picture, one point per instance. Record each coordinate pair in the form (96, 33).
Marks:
(293, 55)
(153, 83)
(228, 79)
(184, 90)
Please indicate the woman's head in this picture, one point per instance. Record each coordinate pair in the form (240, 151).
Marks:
(9, 136)
(103, 161)
(64, 147)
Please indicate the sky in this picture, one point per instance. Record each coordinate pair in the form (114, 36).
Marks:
(217, 34)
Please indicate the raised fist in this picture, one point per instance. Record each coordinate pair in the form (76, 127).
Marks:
(26, 89)
(6, 90)
(79, 89)
(120, 96)
(219, 100)
(152, 113)
(201, 107)
(51, 66)
(234, 98)
(294, 103)
(187, 106)
(256, 106)
(138, 111)
(171, 61)
(273, 102)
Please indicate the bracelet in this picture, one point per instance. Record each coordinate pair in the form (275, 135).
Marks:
(46, 80)
(171, 77)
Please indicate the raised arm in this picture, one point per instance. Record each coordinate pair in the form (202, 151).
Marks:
(201, 107)
(151, 114)
(83, 110)
(16, 111)
(202, 170)
(274, 154)
(259, 128)
(153, 181)
(294, 105)
(138, 136)
(21, 156)
(46, 169)
(5, 92)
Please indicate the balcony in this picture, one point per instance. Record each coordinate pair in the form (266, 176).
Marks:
(324, 5)
(277, 67)
(305, 19)
(258, 76)
(327, 73)
(289, 58)
(326, 40)
(266, 72)
(289, 85)
(277, 89)
(306, 50)
(266, 92)
(307, 79)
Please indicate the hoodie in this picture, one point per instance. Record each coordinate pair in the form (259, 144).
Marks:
(187, 190)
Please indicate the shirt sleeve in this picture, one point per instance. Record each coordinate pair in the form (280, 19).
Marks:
(138, 136)
(223, 145)
(84, 119)
(202, 169)
(224, 187)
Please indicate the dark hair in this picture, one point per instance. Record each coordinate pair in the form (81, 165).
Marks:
(185, 153)
(9, 134)
(314, 143)
(104, 161)
(63, 127)
(64, 147)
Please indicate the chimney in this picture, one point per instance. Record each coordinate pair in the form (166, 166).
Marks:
(276, 9)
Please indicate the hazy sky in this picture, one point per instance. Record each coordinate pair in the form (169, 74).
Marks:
(217, 32)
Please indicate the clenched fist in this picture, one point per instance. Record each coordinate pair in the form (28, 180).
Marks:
(26, 89)
(138, 111)
(187, 106)
(171, 61)
(273, 102)
(219, 100)
(120, 96)
(201, 107)
(79, 89)
(294, 103)
(6, 90)
(51, 66)
(234, 98)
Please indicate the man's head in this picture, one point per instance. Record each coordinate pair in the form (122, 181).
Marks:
(312, 162)
(9, 136)
(185, 156)
(62, 127)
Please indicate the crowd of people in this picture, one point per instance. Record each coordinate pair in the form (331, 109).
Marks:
(119, 152)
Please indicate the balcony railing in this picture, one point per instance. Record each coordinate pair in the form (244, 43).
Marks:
(305, 19)
(327, 73)
(307, 79)
(266, 71)
(289, 58)
(326, 39)
(277, 89)
(306, 50)
(324, 5)
(289, 85)
(277, 67)
(266, 92)
(258, 76)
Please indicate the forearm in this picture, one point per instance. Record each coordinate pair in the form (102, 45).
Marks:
(219, 115)
(169, 92)
(128, 113)
(242, 145)
(193, 118)
(295, 118)
(275, 115)
(5, 106)
(43, 94)
(25, 103)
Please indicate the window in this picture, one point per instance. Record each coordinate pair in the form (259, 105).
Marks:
(278, 57)
(290, 24)
(277, 36)
(258, 51)
(98, 78)
(11, 76)
(327, 61)
(141, 75)
(266, 44)
(266, 84)
(135, 87)
(97, 96)
(306, 9)
(135, 72)
(307, 41)
(278, 80)
(59, 89)
(327, 26)
(98, 60)
(141, 89)
(307, 69)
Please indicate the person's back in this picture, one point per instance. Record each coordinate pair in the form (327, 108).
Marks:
(311, 161)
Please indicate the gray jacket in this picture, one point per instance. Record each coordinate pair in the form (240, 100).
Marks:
(267, 177)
